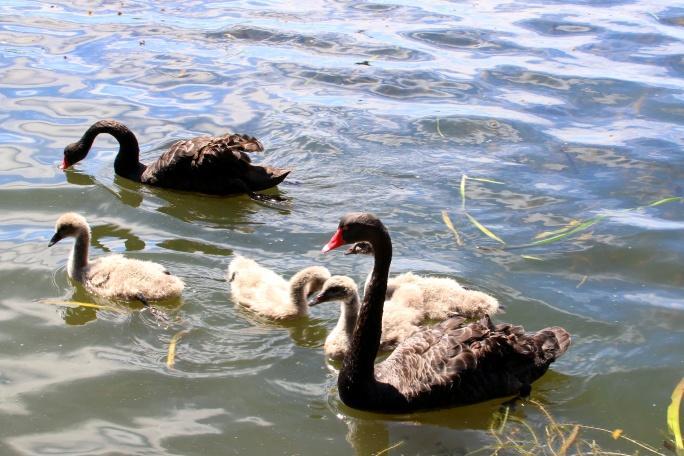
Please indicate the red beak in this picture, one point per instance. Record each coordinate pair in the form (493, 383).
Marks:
(334, 241)
(65, 164)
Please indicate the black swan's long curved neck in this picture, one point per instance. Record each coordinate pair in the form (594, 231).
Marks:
(127, 162)
(357, 377)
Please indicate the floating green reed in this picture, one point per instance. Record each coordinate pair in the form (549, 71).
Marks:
(387, 450)
(482, 179)
(57, 302)
(465, 177)
(543, 238)
(569, 226)
(450, 225)
(171, 355)
(671, 199)
(531, 257)
(673, 416)
(484, 229)
(514, 436)
(581, 227)
(438, 129)
(581, 282)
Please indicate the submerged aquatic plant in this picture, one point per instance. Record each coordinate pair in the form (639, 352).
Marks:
(515, 436)
(543, 238)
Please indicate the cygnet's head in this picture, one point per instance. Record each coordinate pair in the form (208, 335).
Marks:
(336, 288)
(68, 225)
(360, 248)
(312, 277)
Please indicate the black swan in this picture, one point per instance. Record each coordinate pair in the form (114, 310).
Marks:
(217, 165)
(450, 364)
(113, 276)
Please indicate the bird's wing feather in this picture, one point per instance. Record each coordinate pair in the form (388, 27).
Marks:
(440, 356)
(203, 161)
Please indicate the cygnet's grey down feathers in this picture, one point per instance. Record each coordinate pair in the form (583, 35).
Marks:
(443, 296)
(400, 318)
(113, 276)
(268, 294)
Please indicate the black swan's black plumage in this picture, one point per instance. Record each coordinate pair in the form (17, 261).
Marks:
(217, 165)
(450, 364)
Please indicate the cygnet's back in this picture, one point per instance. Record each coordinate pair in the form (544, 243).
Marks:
(442, 296)
(268, 294)
(117, 277)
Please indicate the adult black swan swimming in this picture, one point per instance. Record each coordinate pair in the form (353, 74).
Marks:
(450, 364)
(217, 165)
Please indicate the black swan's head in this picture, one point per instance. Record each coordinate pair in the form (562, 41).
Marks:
(73, 153)
(356, 227)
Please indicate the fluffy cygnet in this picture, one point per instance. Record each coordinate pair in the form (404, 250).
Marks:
(268, 294)
(113, 276)
(400, 317)
(442, 296)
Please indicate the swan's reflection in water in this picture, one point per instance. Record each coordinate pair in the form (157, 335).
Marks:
(230, 211)
(127, 191)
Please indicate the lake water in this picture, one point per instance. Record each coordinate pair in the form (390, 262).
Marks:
(576, 107)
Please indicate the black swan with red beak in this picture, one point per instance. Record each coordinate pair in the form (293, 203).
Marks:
(217, 165)
(450, 364)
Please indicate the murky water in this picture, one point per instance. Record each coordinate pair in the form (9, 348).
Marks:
(575, 107)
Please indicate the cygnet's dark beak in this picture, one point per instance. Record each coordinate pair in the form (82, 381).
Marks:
(55, 239)
(316, 300)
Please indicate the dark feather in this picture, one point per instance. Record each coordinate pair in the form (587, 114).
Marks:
(214, 165)
(454, 363)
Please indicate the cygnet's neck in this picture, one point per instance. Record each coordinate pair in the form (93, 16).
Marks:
(299, 291)
(349, 314)
(78, 259)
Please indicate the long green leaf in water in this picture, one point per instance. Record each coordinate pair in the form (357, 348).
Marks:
(438, 129)
(483, 228)
(482, 179)
(450, 225)
(581, 227)
(531, 257)
(463, 183)
(569, 226)
(673, 415)
(57, 302)
(671, 199)
(171, 354)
